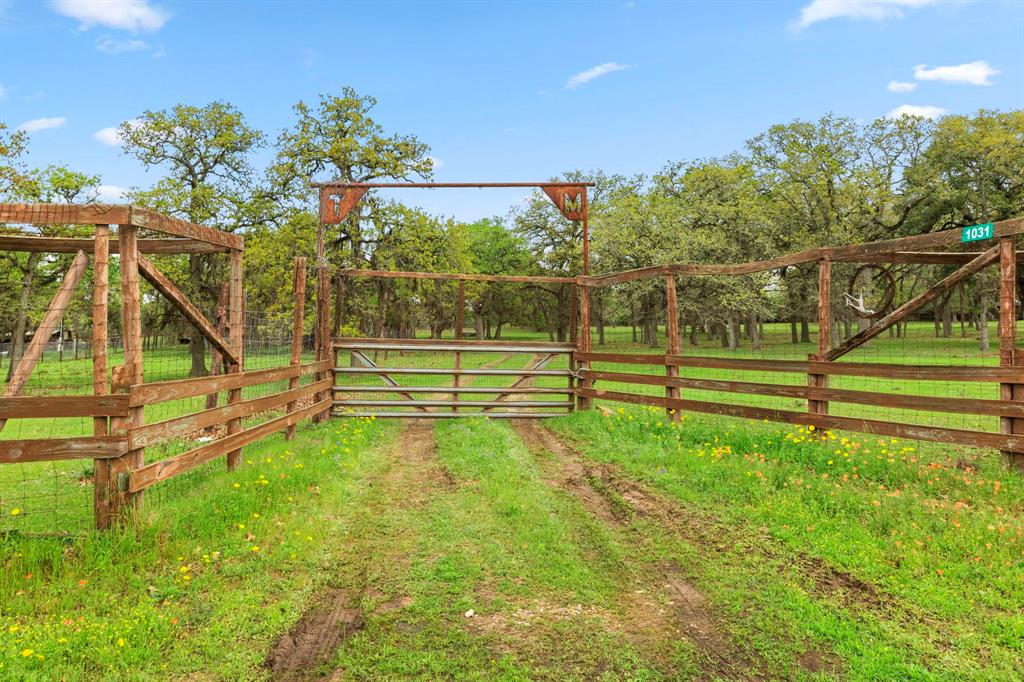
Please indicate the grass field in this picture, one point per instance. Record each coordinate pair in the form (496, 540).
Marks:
(55, 496)
(609, 545)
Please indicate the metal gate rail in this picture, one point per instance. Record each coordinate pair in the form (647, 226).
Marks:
(520, 399)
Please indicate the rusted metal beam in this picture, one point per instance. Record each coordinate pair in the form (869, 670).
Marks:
(449, 185)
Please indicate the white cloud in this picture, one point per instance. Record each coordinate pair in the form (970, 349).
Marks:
(873, 10)
(37, 124)
(974, 73)
(111, 194)
(901, 86)
(596, 72)
(108, 136)
(924, 111)
(111, 136)
(126, 15)
(113, 46)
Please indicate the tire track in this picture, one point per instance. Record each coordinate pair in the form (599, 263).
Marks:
(412, 478)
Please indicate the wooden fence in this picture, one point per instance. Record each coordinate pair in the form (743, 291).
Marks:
(819, 367)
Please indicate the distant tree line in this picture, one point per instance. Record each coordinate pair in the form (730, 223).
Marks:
(795, 186)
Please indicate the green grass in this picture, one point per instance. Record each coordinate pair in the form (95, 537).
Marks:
(880, 560)
(204, 582)
(936, 532)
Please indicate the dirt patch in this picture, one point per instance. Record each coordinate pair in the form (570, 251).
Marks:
(315, 638)
(417, 463)
(300, 655)
(663, 606)
(710, 535)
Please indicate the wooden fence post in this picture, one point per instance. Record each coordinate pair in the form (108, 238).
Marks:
(100, 297)
(672, 331)
(573, 313)
(584, 402)
(299, 314)
(824, 333)
(236, 322)
(120, 499)
(324, 349)
(1008, 342)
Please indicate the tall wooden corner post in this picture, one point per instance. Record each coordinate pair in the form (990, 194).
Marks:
(298, 315)
(236, 328)
(824, 334)
(100, 297)
(1008, 356)
(672, 331)
(118, 502)
(324, 347)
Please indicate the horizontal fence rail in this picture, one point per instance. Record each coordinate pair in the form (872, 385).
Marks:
(1005, 408)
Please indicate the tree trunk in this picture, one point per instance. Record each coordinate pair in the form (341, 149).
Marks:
(478, 325)
(733, 333)
(805, 332)
(755, 333)
(792, 331)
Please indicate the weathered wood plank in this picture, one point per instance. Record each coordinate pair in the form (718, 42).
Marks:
(1008, 356)
(180, 427)
(871, 426)
(173, 294)
(465, 277)
(33, 244)
(64, 214)
(45, 449)
(621, 358)
(100, 387)
(919, 372)
(151, 220)
(746, 364)
(48, 407)
(922, 403)
(146, 394)
(153, 473)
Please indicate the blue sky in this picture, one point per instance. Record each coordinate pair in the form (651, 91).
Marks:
(490, 86)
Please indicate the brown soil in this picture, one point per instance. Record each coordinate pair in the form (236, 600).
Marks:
(300, 654)
(662, 606)
(615, 499)
(315, 638)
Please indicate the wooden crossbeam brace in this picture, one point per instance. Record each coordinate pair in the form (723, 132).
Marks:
(924, 298)
(188, 309)
(58, 305)
(385, 378)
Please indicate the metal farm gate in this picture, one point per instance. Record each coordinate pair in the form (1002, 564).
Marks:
(452, 378)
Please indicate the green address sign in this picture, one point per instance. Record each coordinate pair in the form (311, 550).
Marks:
(975, 233)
